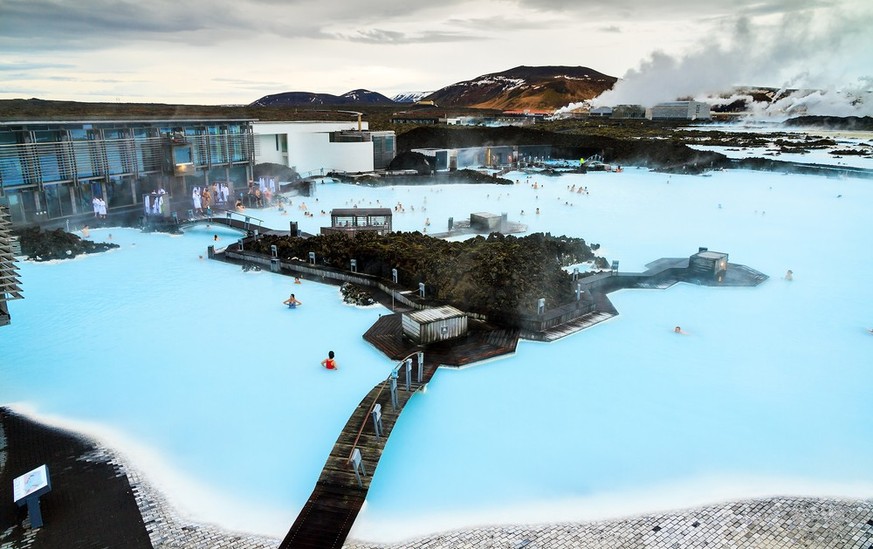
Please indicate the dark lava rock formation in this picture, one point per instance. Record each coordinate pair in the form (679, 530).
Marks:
(41, 245)
(663, 155)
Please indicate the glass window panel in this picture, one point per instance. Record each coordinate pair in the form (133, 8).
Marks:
(22, 205)
(182, 155)
(115, 157)
(49, 163)
(10, 170)
(58, 200)
(120, 192)
(85, 165)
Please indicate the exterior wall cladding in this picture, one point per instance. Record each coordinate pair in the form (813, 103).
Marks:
(681, 110)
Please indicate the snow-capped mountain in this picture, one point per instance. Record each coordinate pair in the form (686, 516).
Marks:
(534, 88)
(410, 97)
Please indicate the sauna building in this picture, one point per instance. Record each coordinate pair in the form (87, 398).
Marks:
(356, 220)
(432, 325)
(708, 265)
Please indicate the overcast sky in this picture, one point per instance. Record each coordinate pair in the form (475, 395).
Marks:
(235, 51)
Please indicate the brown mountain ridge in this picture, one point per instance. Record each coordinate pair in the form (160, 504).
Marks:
(525, 88)
(521, 88)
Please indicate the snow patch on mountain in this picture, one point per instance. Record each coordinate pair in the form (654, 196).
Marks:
(410, 97)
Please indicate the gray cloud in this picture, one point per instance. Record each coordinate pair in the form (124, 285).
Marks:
(381, 36)
(500, 23)
(670, 9)
(47, 18)
(35, 25)
(4, 67)
(250, 85)
(70, 38)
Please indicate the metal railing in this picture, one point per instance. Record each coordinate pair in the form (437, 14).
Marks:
(391, 381)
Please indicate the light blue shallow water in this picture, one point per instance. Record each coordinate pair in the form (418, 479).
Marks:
(195, 372)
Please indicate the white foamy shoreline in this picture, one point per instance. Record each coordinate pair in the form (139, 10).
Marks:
(178, 508)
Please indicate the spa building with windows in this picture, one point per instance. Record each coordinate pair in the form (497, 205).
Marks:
(51, 171)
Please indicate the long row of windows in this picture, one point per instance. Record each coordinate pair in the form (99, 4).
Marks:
(56, 201)
(67, 160)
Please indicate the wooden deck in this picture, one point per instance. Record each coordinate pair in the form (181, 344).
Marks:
(484, 341)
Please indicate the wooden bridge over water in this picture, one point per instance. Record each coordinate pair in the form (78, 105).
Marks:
(229, 218)
(329, 513)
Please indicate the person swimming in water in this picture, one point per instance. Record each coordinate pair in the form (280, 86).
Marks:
(329, 362)
(292, 302)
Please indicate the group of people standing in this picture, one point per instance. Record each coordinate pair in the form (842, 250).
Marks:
(99, 206)
(260, 194)
(203, 198)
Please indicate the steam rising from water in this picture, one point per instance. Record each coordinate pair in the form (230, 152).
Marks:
(805, 52)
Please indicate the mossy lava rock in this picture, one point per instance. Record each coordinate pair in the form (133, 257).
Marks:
(355, 295)
(40, 245)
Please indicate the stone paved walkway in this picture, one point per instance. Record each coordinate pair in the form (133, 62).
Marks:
(760, 524)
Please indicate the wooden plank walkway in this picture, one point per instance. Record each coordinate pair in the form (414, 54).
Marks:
(329, 513)
(337, 498)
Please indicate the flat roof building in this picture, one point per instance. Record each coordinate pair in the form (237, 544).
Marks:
(475, 157)
(316, 148)
(681, 110)
(355, 220)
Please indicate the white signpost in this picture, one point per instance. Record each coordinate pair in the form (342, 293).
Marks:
(27, 489)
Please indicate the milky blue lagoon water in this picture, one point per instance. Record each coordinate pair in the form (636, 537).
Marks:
(194, 371)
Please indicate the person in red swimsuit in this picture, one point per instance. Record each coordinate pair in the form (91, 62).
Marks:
(329, 362)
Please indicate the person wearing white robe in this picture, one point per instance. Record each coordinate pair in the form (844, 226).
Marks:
(102, 208)
(196, 197)
(145, 202)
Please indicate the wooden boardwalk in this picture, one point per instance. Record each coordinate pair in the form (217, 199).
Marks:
(329, 513)
(335, 502)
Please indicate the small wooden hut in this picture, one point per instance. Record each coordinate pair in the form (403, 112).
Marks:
(437, 324)
(485, 222)
(707, 264)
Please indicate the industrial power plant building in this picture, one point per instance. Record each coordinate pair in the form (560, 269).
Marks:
(681, 110)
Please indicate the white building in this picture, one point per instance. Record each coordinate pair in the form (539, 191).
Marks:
(681, 110)
(313, 148)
